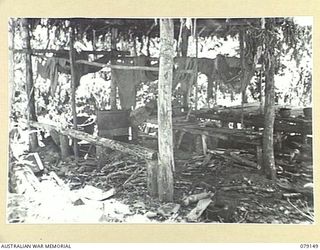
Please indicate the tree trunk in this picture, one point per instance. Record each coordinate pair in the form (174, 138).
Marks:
(113, 86)
(73, 91)
(269, 116)
(165, 137)
(31, 112)
(183, 39)
(243, 69)
(11, 58)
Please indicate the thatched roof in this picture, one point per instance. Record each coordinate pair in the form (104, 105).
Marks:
(139, 27)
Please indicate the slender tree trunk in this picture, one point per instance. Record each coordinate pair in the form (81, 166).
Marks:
(165, 137)
(243, 68)
(73, 90)
(196, 71)
(11, 58)
(269, 116)
(182, 47)
(31, 112)
(113, 86)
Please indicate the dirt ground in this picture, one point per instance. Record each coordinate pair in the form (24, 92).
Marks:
(239, 194)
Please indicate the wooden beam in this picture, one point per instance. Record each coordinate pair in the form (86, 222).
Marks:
(127, 67)
(131, 149)
(165, 134)
(64, 51)
(73, 90)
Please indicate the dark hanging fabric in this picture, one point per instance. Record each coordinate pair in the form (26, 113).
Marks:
(61, 64)
(50, 71)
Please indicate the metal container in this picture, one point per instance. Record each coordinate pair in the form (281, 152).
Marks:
(307, 112)
(112, 124)
(285, 112)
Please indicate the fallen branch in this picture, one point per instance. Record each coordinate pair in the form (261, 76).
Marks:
(242, 160)
(137, 150)
(301, 212)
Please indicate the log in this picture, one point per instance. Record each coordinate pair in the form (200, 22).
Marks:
(196, 197)
(23, 180)
(244, 161)
(137, 150)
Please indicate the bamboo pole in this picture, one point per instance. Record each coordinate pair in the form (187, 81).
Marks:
(73, 90)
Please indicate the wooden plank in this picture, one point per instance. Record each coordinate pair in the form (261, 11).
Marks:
(137, 150)
(204, 144)
(195, 213)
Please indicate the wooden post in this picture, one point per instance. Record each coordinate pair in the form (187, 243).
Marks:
(64, 146)
(269, 116)
(11, 58)
(113, 86)
(196, 71)
(31, 113)
(184, 52)
(183, 39)
(261, 93)
(73, 90)
(165, 135)
(243, 68)
(152, 167)
(94, 43)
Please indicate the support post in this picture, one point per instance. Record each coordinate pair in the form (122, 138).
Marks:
(196, 71)
(269, 115)
(165, 134)
(113, 86)
(31, 111)
(261, 92)
(152, 185)
(73, 91)
(11, 58)
(243, 68)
